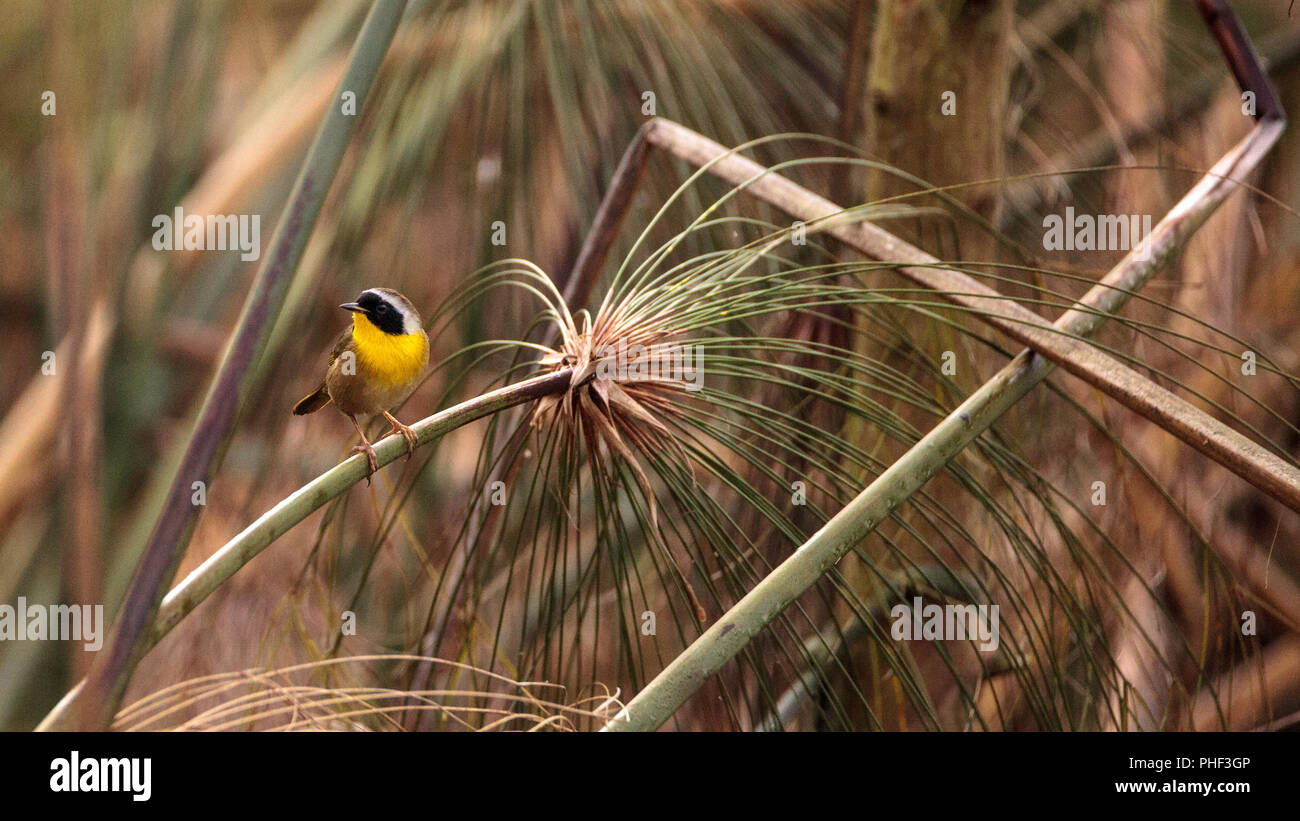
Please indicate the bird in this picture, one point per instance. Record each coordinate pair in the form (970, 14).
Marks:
(374, 365)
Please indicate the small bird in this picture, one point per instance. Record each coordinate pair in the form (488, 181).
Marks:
(374, 365)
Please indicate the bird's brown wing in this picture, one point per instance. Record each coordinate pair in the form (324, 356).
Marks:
(320, 397)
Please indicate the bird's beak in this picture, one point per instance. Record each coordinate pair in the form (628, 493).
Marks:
(353, 307)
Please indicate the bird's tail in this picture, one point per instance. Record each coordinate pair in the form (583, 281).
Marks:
(312, 402)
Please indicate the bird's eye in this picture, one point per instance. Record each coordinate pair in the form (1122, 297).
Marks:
(382, 309)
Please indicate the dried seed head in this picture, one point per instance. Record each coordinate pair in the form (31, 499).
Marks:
(629, 376)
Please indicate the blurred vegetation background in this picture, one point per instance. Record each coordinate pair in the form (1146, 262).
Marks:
(1122, 616)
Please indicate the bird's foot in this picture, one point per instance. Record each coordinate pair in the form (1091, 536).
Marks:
(407, 434)
(370, 459)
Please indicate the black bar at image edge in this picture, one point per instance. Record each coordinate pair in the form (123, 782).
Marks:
(947, 770)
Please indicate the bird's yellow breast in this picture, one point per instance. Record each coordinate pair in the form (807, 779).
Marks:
(390, 360)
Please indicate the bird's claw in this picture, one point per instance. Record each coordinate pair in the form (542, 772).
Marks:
(407, 434)
(371, 461)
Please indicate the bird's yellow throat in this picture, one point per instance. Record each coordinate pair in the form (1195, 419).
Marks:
(390, 359)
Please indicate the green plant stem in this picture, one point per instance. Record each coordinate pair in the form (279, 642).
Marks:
(729, 635)
(111, 670)
(277, 521)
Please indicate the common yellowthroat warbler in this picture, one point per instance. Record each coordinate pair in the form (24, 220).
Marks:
(374, 365)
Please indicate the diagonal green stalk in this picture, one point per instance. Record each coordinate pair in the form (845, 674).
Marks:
(277, 521)
(111, 670)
